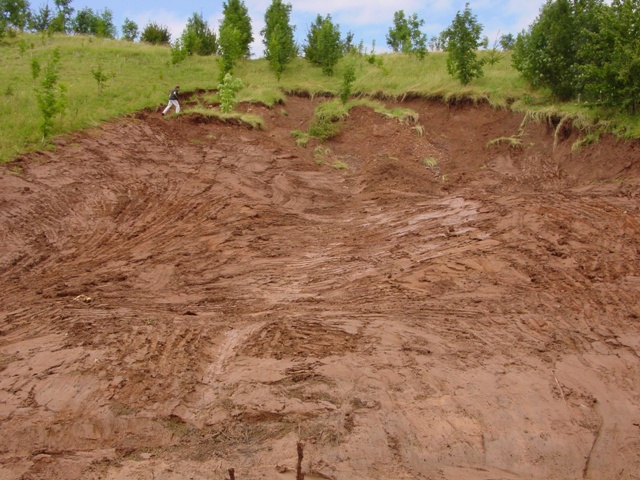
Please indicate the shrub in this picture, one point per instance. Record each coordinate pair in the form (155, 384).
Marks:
(549, 53)
(178, 52)
(610, 58)
(227, 90)
(100, 76)
(50, 95)
(347, 82)
(156, 34)
(323, 128)
(324, 47)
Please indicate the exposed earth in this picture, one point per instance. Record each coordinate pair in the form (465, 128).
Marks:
(182, 297)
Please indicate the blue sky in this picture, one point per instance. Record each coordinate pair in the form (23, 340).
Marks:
(369, 20)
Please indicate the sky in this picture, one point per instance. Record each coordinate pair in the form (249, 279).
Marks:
(369, 20)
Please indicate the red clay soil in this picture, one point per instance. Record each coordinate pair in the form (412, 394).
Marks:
(180, 298)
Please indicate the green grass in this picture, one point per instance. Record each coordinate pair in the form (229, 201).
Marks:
(585, 141)
(512, 142)
(249, 119)
(328, 116)
(324, 156)
(430, 162)
(404, 115)
(141, 76)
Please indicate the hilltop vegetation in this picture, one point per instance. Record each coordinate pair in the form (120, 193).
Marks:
(137, 76)
(576, 62)
(140, 75)
(89, 78)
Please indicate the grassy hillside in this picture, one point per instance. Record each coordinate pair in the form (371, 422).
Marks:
(141, 76)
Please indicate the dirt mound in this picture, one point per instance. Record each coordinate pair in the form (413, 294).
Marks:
(409, 300)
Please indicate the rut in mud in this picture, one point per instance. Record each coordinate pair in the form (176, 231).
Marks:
(181, 297)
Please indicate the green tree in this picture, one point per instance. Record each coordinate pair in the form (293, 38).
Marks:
(15, 13)
(62, 22)
(231, 49)
(549, 53)
(507, 42)
(129, 30)
(198, 38)
(236, 17)
(324, 47)
(493, 55)
(188, 42)
(41, 19)
(178, 52)
(85, 22)
(105, 28)
(463, 40)
(156, 34)
(280, 46)
(349, 47)
(36, 68)
(405, 35)
(50, 95)
(98, 24)
(438, 43)
(610, 59)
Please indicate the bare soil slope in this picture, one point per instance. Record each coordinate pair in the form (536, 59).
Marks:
(180, 298)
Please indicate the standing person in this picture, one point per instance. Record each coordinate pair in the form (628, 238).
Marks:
(173, 100)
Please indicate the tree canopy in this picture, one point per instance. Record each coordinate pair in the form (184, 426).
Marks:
(405, 35)
(280, 46)
(198, 38)
(463, 40)
(585, 50)
(236, 17)
(610, 56)
(15, 13)
(129, 30)
(324, 46)
(99, 24)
